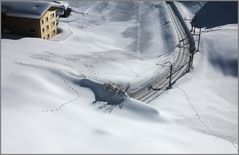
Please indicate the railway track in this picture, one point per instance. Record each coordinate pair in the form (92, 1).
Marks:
(180, 63)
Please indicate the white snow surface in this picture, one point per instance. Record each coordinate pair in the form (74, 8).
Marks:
(46, 108)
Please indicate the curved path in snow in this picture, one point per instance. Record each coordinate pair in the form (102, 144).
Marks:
(180, 64)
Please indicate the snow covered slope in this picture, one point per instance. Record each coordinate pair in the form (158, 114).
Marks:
(49, 87)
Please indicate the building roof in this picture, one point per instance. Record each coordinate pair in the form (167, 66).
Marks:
(26, 9)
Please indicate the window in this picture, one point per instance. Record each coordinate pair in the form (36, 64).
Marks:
(52, 15)
(46, 19)
(42, 21)
(47, 27)
(53, 23)
(53, 32)
(44, 38)
(43, 30)
(48, 36)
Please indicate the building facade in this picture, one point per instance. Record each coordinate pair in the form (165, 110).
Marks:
(48, 24)
(28, 18)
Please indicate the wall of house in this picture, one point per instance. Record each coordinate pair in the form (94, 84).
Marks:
(45, 27)
(48, 24)
(21, 26)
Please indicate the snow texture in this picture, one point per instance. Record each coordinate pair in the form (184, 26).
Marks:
(67, 94)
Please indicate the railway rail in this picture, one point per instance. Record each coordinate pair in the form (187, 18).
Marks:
(176, 68)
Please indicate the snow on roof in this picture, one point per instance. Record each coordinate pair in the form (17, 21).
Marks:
(26, 9)
(63, 4)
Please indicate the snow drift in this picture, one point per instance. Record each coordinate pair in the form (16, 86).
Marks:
(54, 96)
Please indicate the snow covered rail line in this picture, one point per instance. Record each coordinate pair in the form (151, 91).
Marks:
(187, 31)
(179, 66)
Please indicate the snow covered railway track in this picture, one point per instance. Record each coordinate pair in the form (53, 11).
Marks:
(180, 64)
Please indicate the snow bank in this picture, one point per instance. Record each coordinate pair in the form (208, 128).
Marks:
(113, 97)
(139, 110)
(222, 48)
(63, 33)
(189, 9)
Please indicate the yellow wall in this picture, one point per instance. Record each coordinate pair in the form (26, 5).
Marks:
(48, 27)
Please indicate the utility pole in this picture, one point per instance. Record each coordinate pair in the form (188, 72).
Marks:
(170, 76)
(191, 22)
(189, 63)
(199, 39)
(195, 22)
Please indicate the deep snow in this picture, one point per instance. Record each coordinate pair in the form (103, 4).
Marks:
(48, 105)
